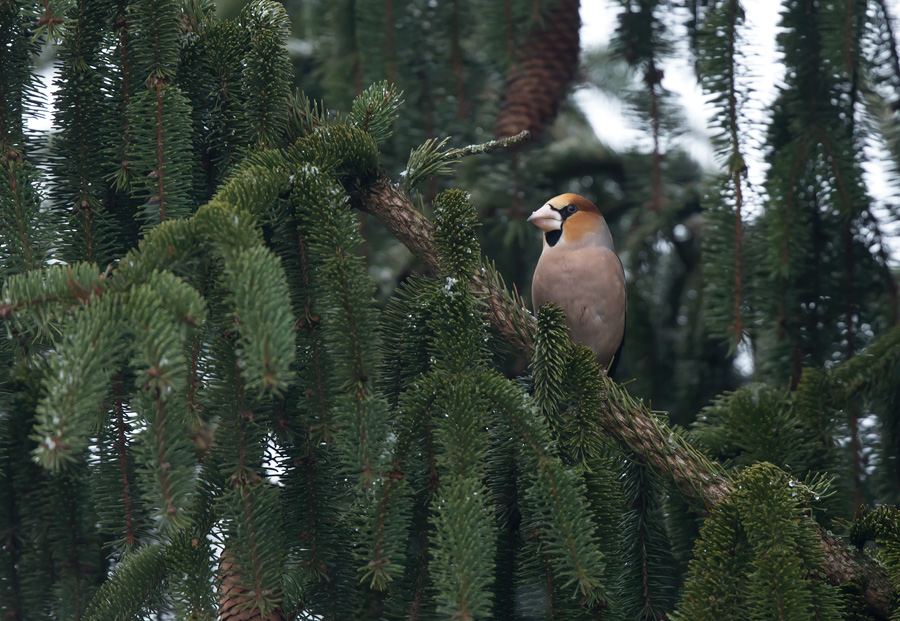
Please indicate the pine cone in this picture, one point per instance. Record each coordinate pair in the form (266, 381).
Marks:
(538, 81)
(233, 599)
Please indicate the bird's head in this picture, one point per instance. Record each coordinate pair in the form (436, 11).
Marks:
(570, 219)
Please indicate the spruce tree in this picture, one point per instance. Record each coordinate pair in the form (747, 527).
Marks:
(214, 405)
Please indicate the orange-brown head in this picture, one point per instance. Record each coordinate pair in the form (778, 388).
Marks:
(572, 220)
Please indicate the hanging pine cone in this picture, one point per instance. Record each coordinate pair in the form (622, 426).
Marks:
(539, 78)
(234, 599)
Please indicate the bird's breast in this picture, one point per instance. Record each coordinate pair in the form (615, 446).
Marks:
(589, 285)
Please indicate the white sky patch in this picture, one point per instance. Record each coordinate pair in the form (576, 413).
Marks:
(42, 121)
(606, 117)
(743, 359)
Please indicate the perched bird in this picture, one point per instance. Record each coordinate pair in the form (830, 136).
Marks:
(580, 272)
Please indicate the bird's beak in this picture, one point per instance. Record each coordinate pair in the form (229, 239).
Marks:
(547, 219)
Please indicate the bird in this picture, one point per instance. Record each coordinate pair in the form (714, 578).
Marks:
(580, 272)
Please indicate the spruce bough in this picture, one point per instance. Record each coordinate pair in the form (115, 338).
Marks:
(205, 412)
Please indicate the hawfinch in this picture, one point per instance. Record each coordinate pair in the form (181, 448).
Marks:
(580, 272)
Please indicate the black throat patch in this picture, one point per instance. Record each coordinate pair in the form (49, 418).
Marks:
(552, 237)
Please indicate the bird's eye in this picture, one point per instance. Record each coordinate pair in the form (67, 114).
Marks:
(570, 209)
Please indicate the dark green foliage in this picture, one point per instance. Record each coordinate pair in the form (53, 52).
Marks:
(80, 192)
(646, 583)
(455, 236)
(816, 229)
(720, 63)
(798, 431)
(261, 318)
(883, 526)
(224, 44)
(405, 333)
(375, 110)
(252, 527)
(725, 267)
(428, 160)
(116, 492)
(18, 89)
(870, 379)
(160, 151)
(140, 575)
(464, 550)
(567, 386)
(123, 596)
(188, 567)
(451, 406)
(551, 352)
(159, 115)
(756, 555)
(161, 377)
(753, 424)
(64, 418)
(266, 72)
(463, 537)
(24, 237)
(40, 297)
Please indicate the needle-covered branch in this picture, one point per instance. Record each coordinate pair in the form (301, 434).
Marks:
(626, 420)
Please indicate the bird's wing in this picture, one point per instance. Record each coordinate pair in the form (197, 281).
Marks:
(618, 355)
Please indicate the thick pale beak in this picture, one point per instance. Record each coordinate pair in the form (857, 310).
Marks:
(546, 218)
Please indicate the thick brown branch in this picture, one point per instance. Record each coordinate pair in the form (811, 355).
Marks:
(628, 421)
(391, 205)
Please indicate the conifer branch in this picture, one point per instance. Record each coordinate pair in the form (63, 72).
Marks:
(798, 160)
(310, 321)
(121, 445)
(20, 220)
(251, 561)
(122, 177)
(72, 564)
(316, 564)
(256, 566)
(375, 110)
(628, 421)
(429, 159)
(568, 542)
(131, 581)
(416, 408)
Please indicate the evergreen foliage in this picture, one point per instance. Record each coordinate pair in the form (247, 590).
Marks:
(208, 409)
(883, 526)
(757, 553)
